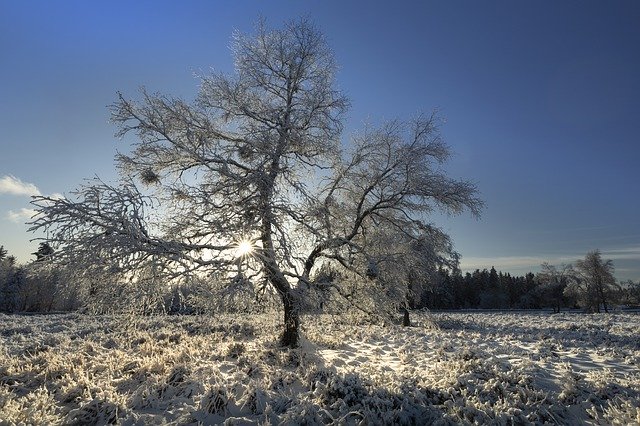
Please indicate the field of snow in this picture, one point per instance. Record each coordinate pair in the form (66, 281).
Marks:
(454, 368)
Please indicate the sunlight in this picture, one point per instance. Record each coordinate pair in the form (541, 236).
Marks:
(244, 248)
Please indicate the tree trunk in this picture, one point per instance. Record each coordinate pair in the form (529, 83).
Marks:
(603, 297)
(405, 318)
(290, 336)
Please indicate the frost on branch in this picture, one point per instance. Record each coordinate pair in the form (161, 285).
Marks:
(258, 156)
(105, 224)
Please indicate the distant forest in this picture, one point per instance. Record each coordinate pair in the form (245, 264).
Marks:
(490, 289)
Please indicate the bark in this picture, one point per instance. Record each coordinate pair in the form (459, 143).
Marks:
(290, 336)
(604, 303)
(405, 318)
(603, 296)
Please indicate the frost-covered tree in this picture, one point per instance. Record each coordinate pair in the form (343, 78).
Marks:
(36, 287)
(7, 273)
(554, 281)
(426, 254)
(395, 267)
(630, 293)
(250, 180)
(13, 287)
(11, 283)
(595, 281)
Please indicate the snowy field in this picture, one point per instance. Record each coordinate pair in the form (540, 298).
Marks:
(454, 368)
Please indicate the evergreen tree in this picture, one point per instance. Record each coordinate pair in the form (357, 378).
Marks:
(44, 252)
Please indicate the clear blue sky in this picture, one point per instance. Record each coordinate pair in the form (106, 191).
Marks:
(542, 101)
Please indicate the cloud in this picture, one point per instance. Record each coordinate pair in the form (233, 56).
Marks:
(626, 253)
(532, 263)
(12, 185)
(20, 216)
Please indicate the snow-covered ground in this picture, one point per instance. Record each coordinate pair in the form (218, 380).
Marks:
(453, 368)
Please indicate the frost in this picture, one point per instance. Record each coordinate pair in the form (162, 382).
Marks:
(456, 368)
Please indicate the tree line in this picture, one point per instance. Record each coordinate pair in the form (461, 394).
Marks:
(44, 286)
(37, 286)
(588, 285)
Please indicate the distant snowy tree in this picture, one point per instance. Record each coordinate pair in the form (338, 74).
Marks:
(400, 264)
(44, 252)
(493, 296)
(12, 283)
(35, 287)
(430, 252)
(256, 159)
(7, 271)
(595, 282)
(630, 293)
(554, 282)
(16, 292)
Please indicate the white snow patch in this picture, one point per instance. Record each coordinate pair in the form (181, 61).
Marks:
(450, 368)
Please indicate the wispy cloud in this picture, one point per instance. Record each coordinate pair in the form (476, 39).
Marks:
(533, 263)
(20, 216)
(12, 185)
(625, 253)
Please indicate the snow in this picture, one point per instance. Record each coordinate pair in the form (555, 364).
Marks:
(453, 368)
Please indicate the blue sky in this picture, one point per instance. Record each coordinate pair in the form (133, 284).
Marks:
(541, 100)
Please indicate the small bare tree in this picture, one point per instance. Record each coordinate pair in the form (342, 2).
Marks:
(256, 160)
(595, 281)
(554, 281)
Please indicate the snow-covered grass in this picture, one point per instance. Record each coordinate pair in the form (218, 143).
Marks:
(452, 368)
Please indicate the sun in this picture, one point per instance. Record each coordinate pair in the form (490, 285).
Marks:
(244, 248)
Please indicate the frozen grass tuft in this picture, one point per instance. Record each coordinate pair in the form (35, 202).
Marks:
(448, 369)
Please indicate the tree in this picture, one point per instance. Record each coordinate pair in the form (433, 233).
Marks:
(428, 265)
(630, 293)
(405, 264)
(44, 252)
(257, 159)
(596, 281)
(7, 272)
(493, 296)
(554, 281)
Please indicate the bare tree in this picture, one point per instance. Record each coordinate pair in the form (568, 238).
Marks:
(415, 259)
(596, 281)
(554, 281)
(630, 293)
(256, 159)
